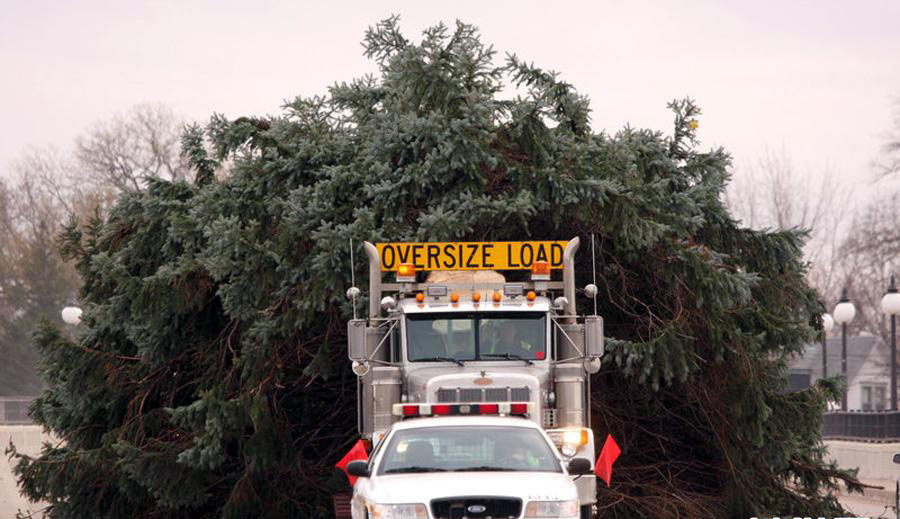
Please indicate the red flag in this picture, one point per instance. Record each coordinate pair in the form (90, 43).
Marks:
(608, 455)
(357, 452)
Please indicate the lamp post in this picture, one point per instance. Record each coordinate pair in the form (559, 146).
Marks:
(844, 312)
(827, 326)
(71, 315)
(890, 305)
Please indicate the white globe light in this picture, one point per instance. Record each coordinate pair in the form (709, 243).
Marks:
(844, 312)
(890, 303)
(388, 303)
(71, 315)
(827, 323)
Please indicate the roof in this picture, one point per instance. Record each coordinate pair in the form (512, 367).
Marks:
(456, 421)
(859, 350)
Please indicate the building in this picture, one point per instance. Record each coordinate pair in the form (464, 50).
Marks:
(868, 371)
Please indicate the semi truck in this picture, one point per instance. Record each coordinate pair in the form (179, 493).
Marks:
(451, 336)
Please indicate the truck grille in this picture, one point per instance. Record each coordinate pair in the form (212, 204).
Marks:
(446, 395)
(476, 507)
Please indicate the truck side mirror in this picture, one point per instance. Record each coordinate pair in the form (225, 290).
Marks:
(358, 468)
(593, 336)
(579, 466)
(356, 339)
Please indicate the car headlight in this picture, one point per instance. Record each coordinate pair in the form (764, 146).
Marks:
(552, 509)
(403, 511)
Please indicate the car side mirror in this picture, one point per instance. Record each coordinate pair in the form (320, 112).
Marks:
(579, 466)
(358, 468)
(897, 458)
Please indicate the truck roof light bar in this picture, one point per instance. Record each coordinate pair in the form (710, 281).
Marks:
(504, 408)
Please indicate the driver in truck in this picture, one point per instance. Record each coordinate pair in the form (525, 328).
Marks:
(509, 341)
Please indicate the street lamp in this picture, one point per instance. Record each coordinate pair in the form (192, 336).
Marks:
(827, 326)
(844, 312)
(890, 305)
(71, 315)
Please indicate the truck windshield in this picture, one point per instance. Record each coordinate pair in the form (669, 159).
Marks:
(468, 449)
(494, 336)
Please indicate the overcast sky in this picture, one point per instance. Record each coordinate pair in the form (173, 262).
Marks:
(817, 78)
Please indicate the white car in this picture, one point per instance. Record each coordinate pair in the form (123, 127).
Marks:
(466, 467)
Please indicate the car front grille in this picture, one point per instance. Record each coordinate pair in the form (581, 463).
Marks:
(476, 507)
(447, 395)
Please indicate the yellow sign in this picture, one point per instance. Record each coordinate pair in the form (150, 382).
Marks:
(482, 255)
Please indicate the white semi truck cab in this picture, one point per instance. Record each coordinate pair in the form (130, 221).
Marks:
(471, 343)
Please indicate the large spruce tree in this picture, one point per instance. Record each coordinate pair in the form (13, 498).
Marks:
(210, 379)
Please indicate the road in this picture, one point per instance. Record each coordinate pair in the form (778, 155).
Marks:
(28, 439)
(875, 503)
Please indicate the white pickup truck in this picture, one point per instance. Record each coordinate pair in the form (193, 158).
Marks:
(471, 467)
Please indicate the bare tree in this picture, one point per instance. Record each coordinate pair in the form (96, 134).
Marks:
(44, 189)
(889, 161)
(127, 150)
(770, 193)
(871, 253)
(34, 281)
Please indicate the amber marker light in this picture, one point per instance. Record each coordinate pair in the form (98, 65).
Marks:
(531, 295)
(420, 297)
(476, 297)
(454, 297)
(540, 271)
(406, 273)
(496, 297)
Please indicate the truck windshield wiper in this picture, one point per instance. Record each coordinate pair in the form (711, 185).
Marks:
(508, 356)
(444, 359)
(481, 468)
(401, 470)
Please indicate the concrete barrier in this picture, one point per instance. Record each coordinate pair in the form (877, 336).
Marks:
(28, 440)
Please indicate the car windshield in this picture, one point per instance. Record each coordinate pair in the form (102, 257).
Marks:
(468, 449)
(493, 336)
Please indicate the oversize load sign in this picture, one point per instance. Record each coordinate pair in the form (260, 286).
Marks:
(482, 255)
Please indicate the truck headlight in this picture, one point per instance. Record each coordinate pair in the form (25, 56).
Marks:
(403, 511)
(552, 509)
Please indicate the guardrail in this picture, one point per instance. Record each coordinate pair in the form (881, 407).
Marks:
(880, 426)
(14, 410)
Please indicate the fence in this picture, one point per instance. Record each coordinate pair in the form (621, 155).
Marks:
(14, 410)
(880, 426)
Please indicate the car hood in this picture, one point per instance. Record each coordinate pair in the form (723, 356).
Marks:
(422, 488)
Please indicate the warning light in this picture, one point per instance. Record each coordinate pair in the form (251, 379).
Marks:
(420, 297)
(540, 271)
(518, 409)
(476, 297)
(440, 409)
(454, 297)
(531, 295)
(410, 410)
(489, 409)
(539, 355)
(406, 273)
(496, 297)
